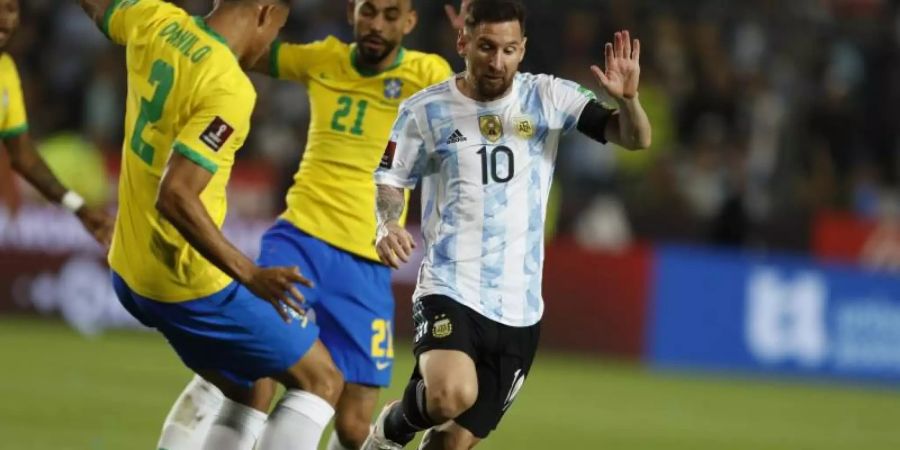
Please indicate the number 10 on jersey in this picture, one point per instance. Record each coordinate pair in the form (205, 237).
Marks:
(497, 164)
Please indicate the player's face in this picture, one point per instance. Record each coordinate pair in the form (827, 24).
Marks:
(379, 27)
(271, 20)
(9, 20)
(493, 52)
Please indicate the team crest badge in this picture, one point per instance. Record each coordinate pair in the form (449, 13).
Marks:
(524, 127)
(393, 87)
(491, 127)
(442, 328)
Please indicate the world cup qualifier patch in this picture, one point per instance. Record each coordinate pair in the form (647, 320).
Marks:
(387, 159)
(216, 133)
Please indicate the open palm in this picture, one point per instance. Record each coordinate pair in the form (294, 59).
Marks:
(623, 68)
(457, 19)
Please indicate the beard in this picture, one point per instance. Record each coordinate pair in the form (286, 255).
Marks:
(492, 88)
(372, 50)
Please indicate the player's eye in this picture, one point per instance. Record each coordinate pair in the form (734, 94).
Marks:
(392, 15)
(509, 50)
(367, 11)
(485, 47)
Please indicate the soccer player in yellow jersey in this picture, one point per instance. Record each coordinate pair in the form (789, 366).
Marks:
(22, 154)
(328, 229)
(188, 111)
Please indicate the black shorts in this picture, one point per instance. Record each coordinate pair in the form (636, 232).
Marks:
(502, 355)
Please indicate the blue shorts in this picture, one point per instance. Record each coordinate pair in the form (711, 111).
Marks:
(352, 301)
(232, 331)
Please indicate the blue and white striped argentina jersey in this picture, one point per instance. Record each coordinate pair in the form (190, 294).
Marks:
(486, 170)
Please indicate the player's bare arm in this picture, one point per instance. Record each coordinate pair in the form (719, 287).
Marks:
(27, 162)
(393, 243)
(629, 126)
(95, 9)
(178, 200)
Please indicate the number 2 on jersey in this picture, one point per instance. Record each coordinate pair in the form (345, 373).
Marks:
(382, 339)
(162, 75)
(346, 104)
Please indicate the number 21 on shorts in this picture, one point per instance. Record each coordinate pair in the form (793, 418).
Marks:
(382, 339)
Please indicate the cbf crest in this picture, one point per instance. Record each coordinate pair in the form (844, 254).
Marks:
(491, 127)
(393, 88)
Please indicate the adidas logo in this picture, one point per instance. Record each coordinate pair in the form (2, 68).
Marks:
(456, 138)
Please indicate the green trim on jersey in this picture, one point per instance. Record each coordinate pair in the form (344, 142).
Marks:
(369, 72)
(195, 157)
(15, 131)
(274, 67)
(107, 16)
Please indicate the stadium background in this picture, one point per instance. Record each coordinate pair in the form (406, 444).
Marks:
(734, 287)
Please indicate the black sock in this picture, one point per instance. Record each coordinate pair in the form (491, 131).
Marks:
(410, 416)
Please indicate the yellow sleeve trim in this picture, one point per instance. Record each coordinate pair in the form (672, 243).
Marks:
(107, 17)
(13, 132)
(195, 157)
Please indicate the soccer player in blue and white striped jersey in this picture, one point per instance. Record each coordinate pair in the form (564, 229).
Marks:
(483, 144)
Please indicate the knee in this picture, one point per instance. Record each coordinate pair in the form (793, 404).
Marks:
(351, 431)
(446, 402)
(326, 382)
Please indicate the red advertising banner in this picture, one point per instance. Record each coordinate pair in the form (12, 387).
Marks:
(596, 301)
(843, 237)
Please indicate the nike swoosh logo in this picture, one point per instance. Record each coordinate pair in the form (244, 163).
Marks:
(382, 365)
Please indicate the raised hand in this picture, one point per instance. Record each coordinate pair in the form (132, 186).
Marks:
(623, 68)
(457, 19)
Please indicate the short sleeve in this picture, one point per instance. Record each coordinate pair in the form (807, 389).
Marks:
(405, 156)
(568, 100)
(293, 61)
(124, 16)
(15, 121)
(216, 131)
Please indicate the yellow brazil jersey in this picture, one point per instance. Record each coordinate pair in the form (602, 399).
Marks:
(13, 120)
(188, 94)
(333, 196)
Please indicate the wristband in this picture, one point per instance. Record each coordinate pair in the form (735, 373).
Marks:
(72, 201)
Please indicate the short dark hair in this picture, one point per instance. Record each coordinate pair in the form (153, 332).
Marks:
(495, 11)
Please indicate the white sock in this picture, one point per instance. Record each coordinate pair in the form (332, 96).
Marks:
(335, 444)
(236, 427)
(296, 423)
(191, 416)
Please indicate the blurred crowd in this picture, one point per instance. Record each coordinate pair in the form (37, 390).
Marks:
(764, 111)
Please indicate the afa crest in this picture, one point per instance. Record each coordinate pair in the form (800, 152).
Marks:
(491, 127)
(524, 127)
(442, 328)
(393, 88)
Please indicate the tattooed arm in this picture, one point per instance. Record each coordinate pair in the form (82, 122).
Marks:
(393, 243)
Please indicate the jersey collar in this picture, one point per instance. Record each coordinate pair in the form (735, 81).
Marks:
(212, 33)
(369, 72)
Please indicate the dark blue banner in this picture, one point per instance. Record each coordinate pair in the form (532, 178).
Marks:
(726, 310)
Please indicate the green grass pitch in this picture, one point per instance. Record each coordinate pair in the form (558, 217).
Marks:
(61, 391)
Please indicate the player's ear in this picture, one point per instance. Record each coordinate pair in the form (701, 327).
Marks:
(462, 39)
(412, 18)
(522, 50)
(351, 11)
(265, 15)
